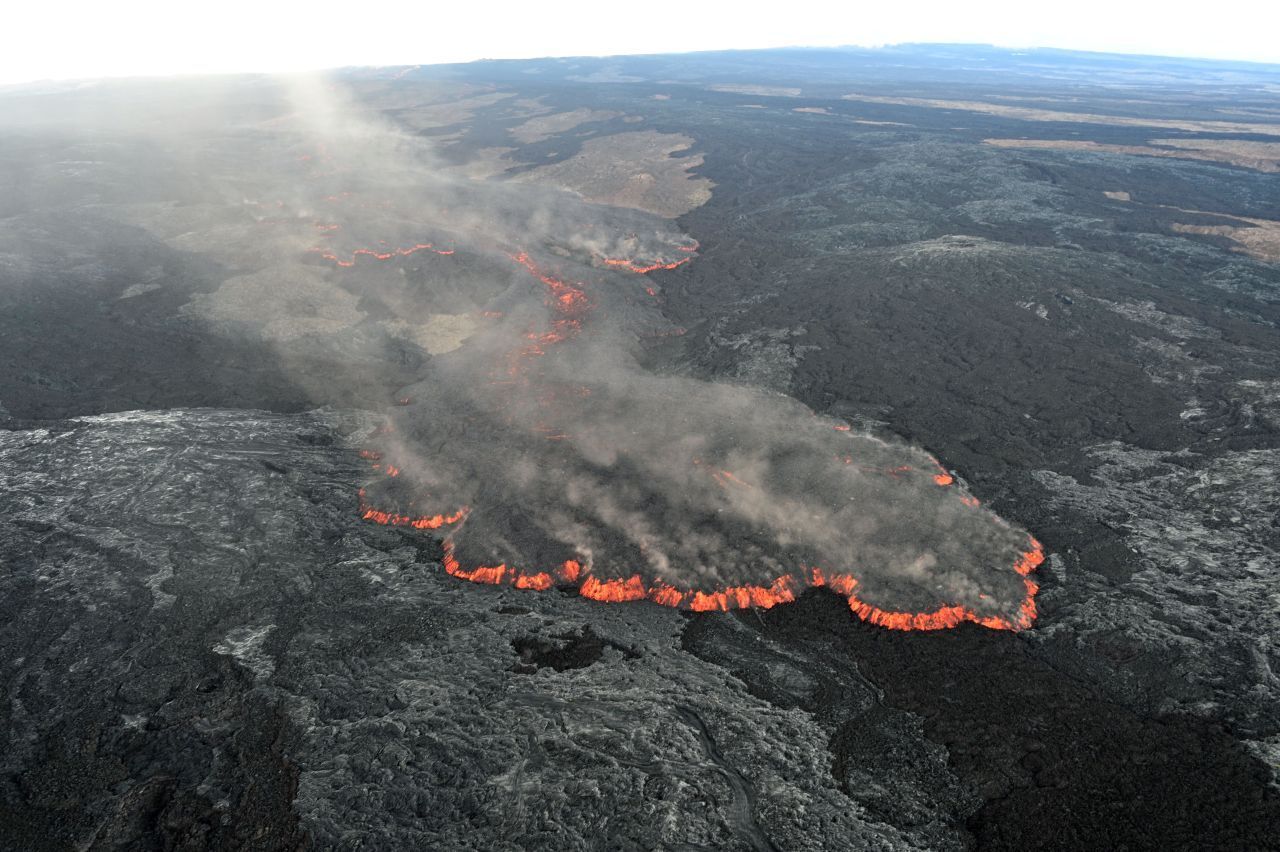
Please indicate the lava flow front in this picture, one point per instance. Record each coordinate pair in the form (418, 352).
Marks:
(548, 456)
(779, 590)
(556, 461)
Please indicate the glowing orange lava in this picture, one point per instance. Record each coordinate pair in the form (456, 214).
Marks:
(632, 266)
(420, 522)
(569, 304)
(569, 571)
(723, 478)
(378, 255)
(783, 589)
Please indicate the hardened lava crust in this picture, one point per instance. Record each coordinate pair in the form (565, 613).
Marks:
(781, 450)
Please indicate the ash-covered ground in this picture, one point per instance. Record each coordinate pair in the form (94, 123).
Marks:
(230, 305)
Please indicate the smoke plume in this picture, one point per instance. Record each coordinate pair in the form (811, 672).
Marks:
(530, 436)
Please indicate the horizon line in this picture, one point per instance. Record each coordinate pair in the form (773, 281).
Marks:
(1014, 49)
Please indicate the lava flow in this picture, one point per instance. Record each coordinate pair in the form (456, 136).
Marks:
(643, 268)
(763, 504)
(782, 589)
(378, 255)
(420, 522)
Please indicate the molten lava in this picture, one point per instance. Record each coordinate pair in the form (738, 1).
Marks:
(568, 306)
(420, 522)
(782, 589)
(632, 266)
(378, 255)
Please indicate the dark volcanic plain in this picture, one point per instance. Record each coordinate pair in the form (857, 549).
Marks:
(1058, 273)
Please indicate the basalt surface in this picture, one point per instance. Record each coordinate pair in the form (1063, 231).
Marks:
(210, 650)
(215, 335)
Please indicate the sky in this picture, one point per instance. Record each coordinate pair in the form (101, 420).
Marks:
(72, 39)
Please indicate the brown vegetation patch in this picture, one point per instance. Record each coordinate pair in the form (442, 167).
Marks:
(487, 163)
(545, 126)
(612, 74)
(281, 304)
(1260, 156)
(1251, 111)
(530, 106)
(429, 116)
(1259, 239)
(1033, 114)
(632, 170)
(440, 333)
(766, 91)
(392, 95)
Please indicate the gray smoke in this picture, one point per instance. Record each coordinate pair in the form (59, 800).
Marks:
(342, 233)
